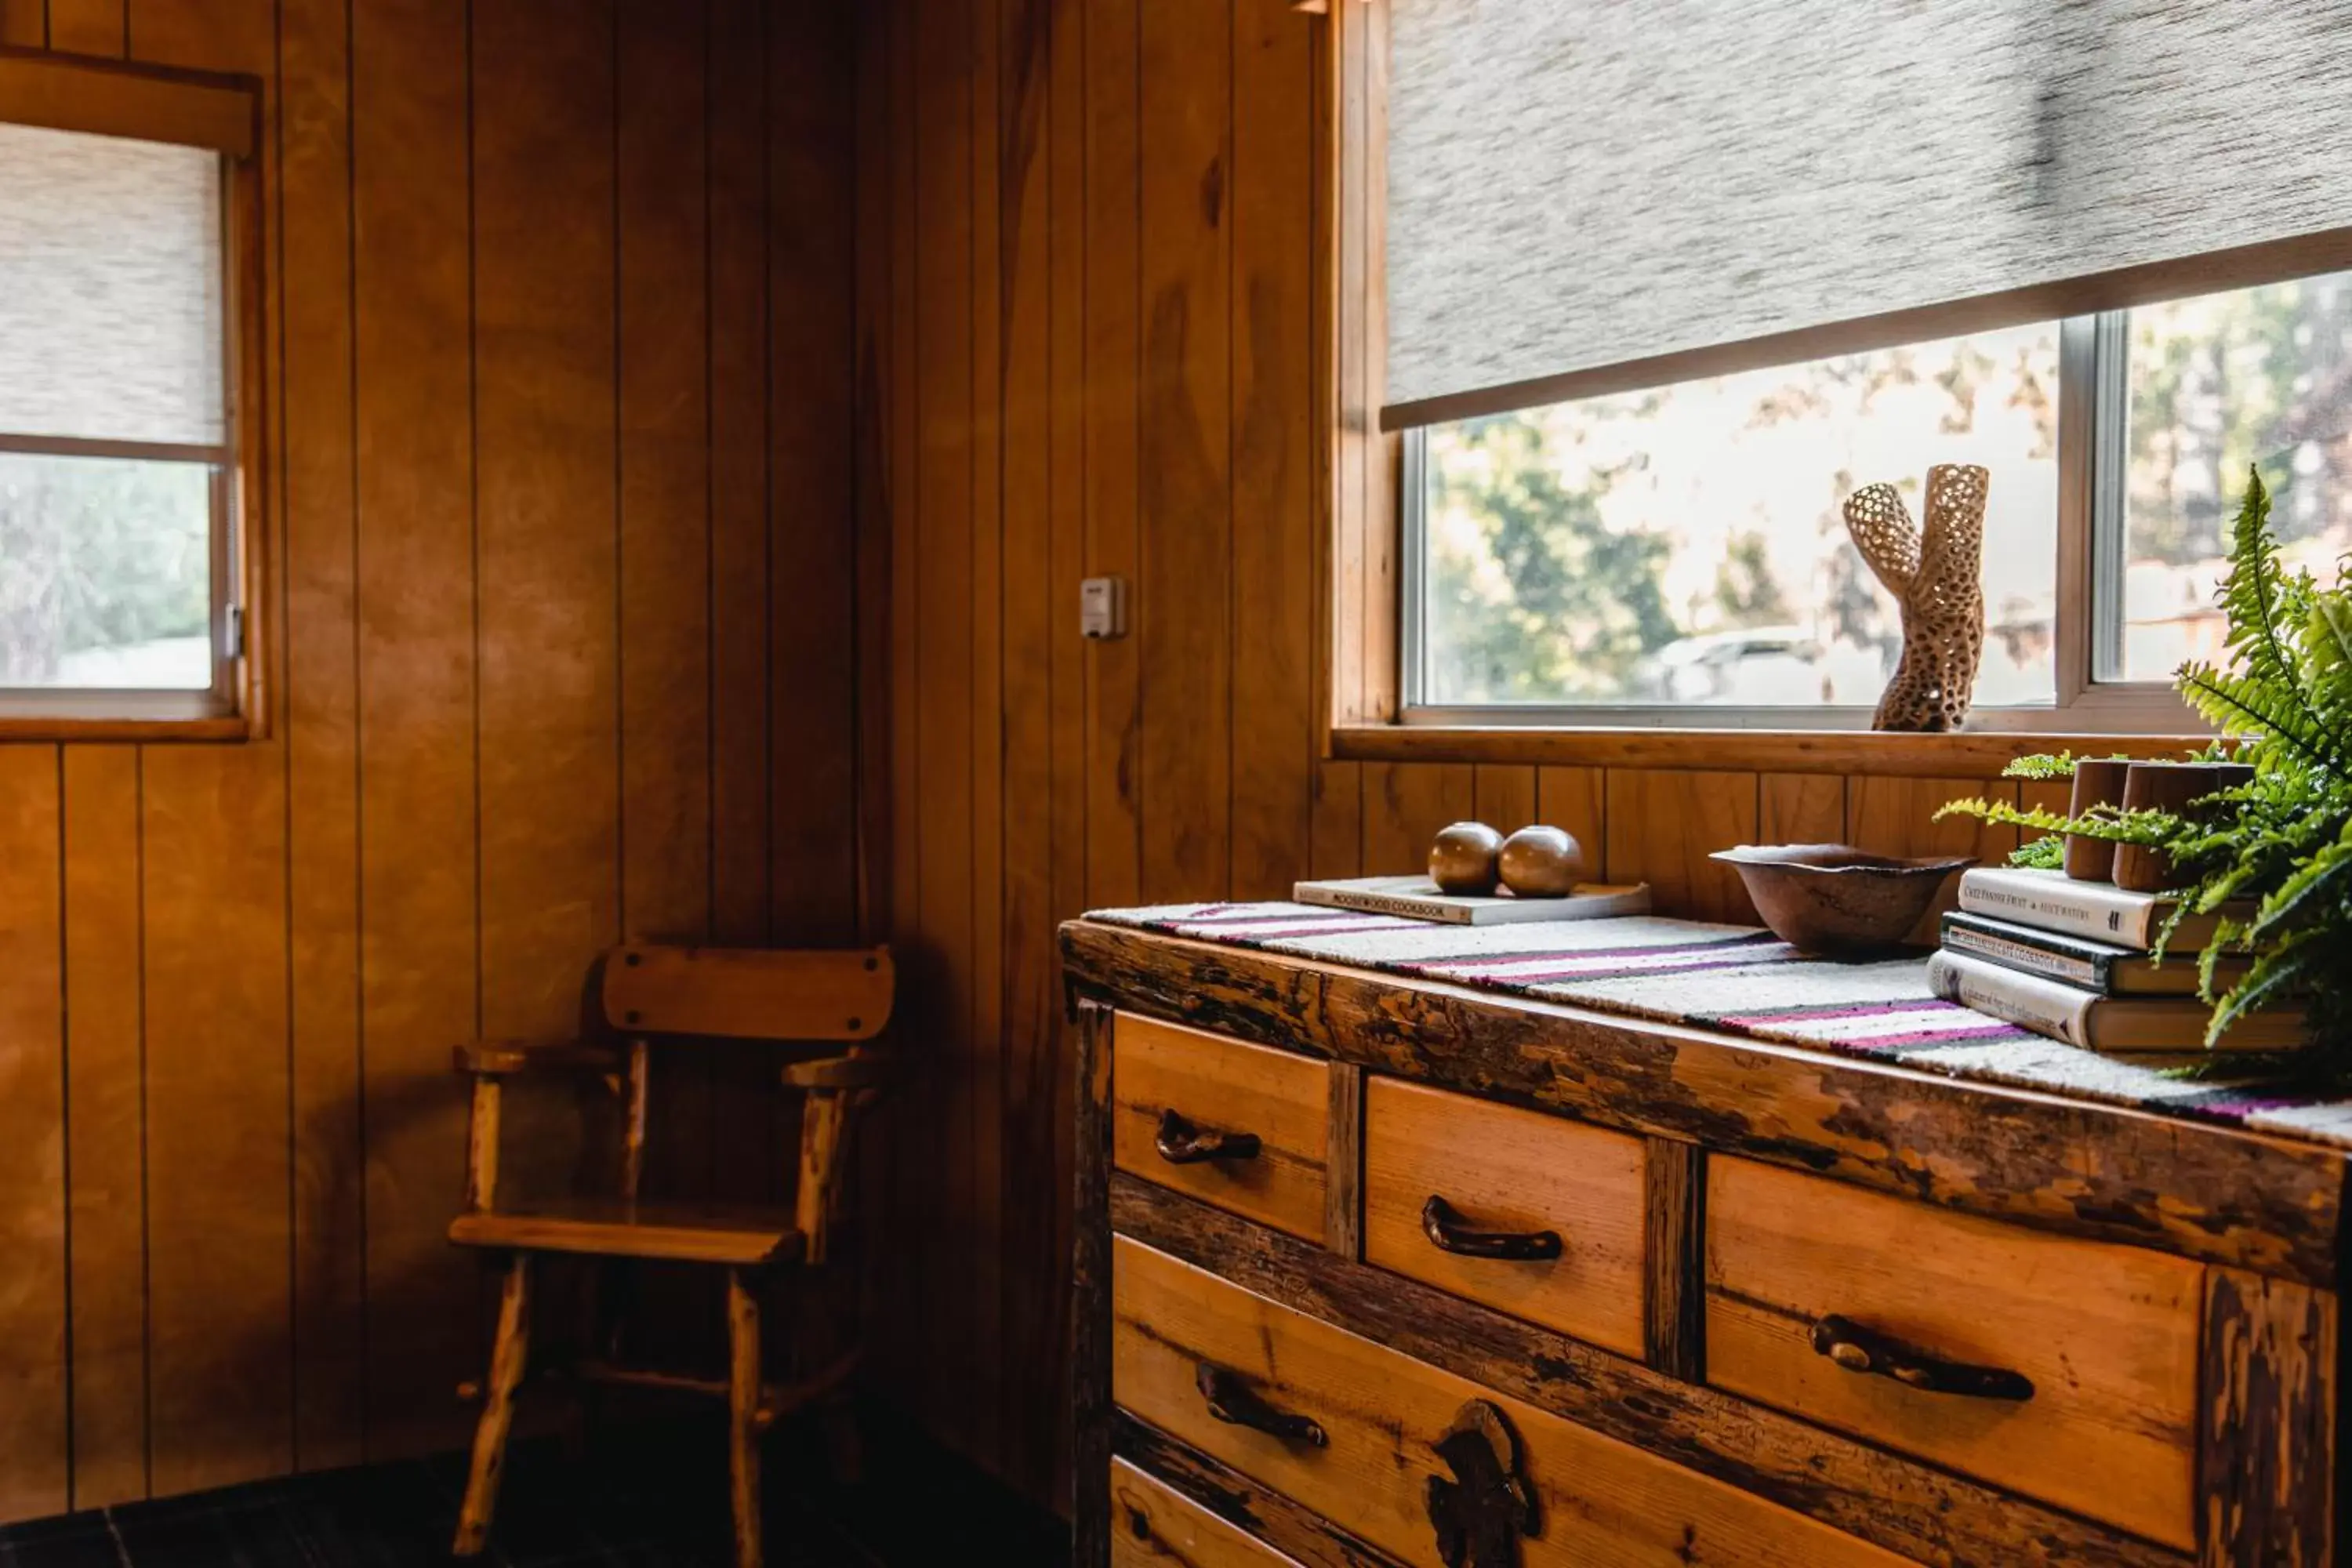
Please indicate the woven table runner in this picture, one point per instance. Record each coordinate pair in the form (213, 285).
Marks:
(1739, 980)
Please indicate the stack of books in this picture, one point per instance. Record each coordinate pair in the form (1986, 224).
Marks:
(2073, 961)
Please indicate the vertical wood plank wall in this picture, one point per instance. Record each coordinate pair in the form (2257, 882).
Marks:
(693, 420)
(1091, 301)
(559, 301)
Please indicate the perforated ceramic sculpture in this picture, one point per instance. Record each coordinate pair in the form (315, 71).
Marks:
(1934, 572)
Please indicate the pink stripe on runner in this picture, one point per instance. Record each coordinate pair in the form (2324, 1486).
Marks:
(1851, 1010)
(1501, 963)
(1992, 1029)
(1518, 985)
(1318, 927)
(1588, 971)
(1285, 917)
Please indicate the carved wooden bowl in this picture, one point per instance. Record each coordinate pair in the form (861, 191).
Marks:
(1837, 901)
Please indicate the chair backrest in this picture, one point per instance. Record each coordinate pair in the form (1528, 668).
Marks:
(748, 994)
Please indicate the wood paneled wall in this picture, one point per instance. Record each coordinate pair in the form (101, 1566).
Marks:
(651, 377)
(559, 508)
(1091, 296)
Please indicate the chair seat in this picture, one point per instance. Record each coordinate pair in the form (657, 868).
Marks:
(614, 1227)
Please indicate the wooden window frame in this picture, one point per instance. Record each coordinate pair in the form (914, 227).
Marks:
(220, 114)
(1361, 571)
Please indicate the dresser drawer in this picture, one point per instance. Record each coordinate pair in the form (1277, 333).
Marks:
(1179, 1336)
(2105, 1336)
(1154, 1527)
(1514, 1177)
(1178, 1094)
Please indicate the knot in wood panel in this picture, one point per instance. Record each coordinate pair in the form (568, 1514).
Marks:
(1481, 1514)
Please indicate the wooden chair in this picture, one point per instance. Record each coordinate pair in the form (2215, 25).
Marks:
(650, 992)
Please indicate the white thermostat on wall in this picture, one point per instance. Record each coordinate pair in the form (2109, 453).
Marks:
(1102, 607)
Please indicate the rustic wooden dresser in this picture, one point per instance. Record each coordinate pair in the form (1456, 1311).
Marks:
(1371, 1271)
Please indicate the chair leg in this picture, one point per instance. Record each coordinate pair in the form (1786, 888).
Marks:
(507, 1359)
(744, 1415)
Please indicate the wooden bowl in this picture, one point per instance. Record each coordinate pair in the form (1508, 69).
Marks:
(1835, 900)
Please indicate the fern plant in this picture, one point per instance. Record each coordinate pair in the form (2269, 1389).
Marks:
(2280, 845)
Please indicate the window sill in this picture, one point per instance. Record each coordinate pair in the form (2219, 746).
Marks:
(1966, 754)
(29, 727)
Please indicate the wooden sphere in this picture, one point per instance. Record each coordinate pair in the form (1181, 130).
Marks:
(1462, 859)
(1542, 862)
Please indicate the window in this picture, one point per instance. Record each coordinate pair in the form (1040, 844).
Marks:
(1627, 558)
(120, 570)
(2259, 375)
(1597, 389)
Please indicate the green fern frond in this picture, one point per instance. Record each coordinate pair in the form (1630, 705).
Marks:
(2255, 588)
(2260, 600)
(2209, 961)
(2047, 852)
(2061, 766)
(2275, 976)
(2326, 643)
(2247, 704)
(2104, 822)
(2324, 874)
(2224, 886)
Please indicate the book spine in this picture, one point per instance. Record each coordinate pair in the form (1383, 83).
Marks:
(1383, 904)
(2083, 908)
(2022, 1000)
(2091, 974)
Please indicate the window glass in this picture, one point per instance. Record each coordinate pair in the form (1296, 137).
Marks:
(113, 411)
(105, 574)
(1684, 545)
(2256, 375)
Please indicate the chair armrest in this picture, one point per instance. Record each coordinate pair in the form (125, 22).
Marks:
(497, 1059)
(864, 1071)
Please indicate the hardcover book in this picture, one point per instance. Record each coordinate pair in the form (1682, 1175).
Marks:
(2051, 900)
(2119, 1025)
(1417, 898)
(2099, 966)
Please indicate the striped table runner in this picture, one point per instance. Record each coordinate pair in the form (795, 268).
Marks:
(1739, 980)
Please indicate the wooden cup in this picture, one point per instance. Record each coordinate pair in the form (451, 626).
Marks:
(2098, 781)
(2166, 786)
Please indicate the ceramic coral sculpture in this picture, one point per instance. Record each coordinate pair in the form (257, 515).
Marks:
(1933, 569)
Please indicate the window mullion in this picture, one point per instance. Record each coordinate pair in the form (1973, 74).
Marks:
(120, 451)
(1412, 505)
(2110, 471)
(2076, 637)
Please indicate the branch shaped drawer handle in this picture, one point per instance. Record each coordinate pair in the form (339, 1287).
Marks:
(1181, 1143)
(1858, 1349)
(1235, 1402)
(1448, 1233)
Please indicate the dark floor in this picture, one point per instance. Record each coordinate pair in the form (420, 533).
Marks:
(655, 1497)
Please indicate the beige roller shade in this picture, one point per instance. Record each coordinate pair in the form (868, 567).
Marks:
(1589, 194)
(110, 289)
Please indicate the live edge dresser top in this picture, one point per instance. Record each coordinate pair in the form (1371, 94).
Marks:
(1371, 1270)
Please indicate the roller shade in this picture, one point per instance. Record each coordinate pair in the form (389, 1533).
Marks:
(1589, 194)
(110, 289)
